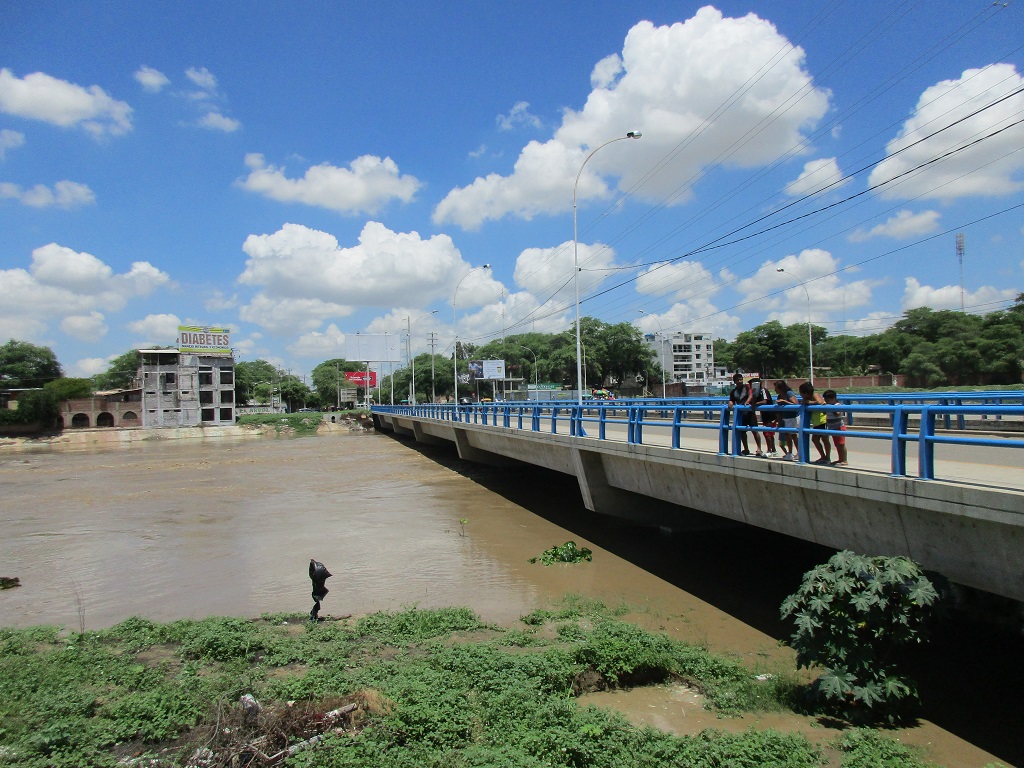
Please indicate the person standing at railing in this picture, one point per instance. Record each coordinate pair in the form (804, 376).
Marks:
(740, 395)
(784, 395)
(834, 422)
(760, 398)
(818, 421)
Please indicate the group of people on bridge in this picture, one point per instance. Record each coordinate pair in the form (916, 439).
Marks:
(762, 407)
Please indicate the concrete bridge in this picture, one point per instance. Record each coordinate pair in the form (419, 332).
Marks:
(970, 529)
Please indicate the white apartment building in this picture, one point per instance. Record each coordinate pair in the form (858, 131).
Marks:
(688, 357)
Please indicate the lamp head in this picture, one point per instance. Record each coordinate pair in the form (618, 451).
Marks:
(779, 269)
(487, 266)
(634, 135)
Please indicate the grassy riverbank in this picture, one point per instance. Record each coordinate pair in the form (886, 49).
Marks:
(413, 688)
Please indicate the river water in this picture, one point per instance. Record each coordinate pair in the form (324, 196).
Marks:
(176, 529)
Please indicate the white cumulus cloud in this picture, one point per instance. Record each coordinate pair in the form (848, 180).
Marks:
(87, 327)
(153, 80)
(817, 176)
(202, 77)
(365, 186)
(39, 96)
(65, 194)
(320, 345)
(161, 329)
(667, 83)
(948, 296)
(518, 115)
(10, 140)
(70, 288)
(305, 277)
(905, 224)
(215, 121)
(988, 168)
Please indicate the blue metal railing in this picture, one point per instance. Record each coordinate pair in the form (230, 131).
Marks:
(594, 417)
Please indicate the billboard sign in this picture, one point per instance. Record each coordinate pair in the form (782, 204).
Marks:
(486, 369)
(359, 378)
(204, 340)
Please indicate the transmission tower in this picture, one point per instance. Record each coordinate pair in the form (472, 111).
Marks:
(960, 258)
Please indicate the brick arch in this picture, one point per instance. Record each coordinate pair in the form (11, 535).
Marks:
(130, 418)
(79, 420)
(105, 419)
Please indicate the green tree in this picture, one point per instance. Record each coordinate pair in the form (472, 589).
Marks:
(851, 614)
(764, 349)
(68, 389)
(24, 365)
(248, 375)
(120, 373)
(329, 376)
(294, 392)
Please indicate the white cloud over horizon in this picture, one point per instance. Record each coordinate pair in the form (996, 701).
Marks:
(667, 83)
(69, 288)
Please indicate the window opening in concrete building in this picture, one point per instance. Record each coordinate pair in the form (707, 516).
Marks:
(225, 414)
(227, 395)
(205, 376)
(208, 414)
(227, 376)
(205, 396)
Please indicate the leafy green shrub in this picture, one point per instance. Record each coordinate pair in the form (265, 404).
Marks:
(864, 748)
(851, 613)
(566, 553)
(413, 625)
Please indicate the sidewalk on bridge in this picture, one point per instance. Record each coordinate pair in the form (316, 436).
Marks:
(867, 455)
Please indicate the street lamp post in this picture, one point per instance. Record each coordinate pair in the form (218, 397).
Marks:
(536, 380)
(576, 262)
(662, 328)
(810, 337)
(455, 329)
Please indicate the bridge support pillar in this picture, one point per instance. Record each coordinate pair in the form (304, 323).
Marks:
(468, 452)
(422, 437)
(605, 499)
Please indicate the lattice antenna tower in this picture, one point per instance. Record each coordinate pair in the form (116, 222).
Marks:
(960, 258)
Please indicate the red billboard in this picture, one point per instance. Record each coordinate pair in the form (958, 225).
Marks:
(359, 378)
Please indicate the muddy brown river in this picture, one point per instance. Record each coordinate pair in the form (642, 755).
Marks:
(174, 529)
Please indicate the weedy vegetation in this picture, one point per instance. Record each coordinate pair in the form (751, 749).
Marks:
(388, 690)
(299, 423)
(566, 553)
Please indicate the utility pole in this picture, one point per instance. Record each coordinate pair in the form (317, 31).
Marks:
(960, 257)
(433, 393)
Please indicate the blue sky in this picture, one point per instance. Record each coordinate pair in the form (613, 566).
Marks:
(309, 173)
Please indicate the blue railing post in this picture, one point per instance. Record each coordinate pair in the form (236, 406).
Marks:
(898, 464)
(925, 446)
(723, 430)
(602, 424)
(678, 414)
(535, 419)
(803, 438)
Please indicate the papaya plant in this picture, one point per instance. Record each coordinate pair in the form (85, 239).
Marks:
(851, 614)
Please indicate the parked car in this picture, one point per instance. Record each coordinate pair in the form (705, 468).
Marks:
(465, 401)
